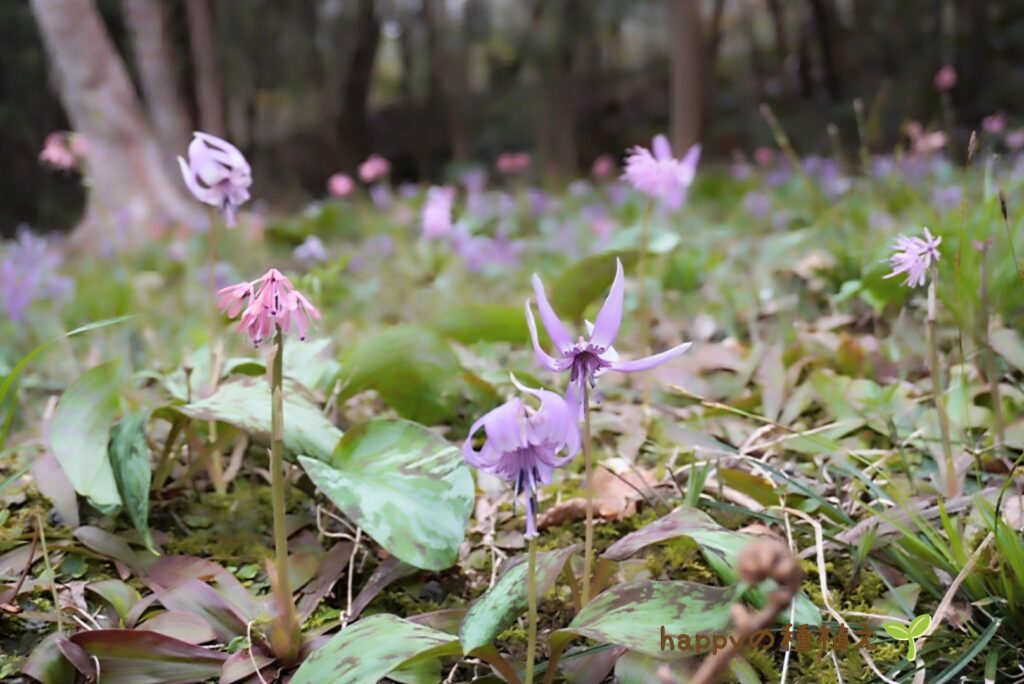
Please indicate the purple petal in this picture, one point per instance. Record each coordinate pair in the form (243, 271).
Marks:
(556, 331)
(661, 148)
(649, 362)
(606, 326)
(543, 357)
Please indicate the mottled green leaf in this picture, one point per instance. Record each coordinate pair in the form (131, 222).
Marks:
(413, 369)
(632, 614)
(373, 647)
(404, 485)
(132, 656)
(129, 457)
(47, 664)
(245, 403)
(118, 594)
(80, 432)
(720, 547)
(503, 603)
(484, 323)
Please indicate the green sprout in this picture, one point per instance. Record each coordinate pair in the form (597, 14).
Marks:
(917, 627)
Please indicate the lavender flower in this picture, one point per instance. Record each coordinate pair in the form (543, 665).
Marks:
(437, 212)
(311, 252)
(659, 175)
(217, 174)
(587, 359)
(272, 303)
(28, 273)
(914, 256)
(523, 444)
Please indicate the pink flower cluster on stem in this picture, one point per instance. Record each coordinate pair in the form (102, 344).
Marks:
(270, 303)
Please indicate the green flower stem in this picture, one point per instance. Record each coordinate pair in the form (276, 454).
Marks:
(531, 592)
(641, 275)
(49, 571)
(940, 400)
(588, 544)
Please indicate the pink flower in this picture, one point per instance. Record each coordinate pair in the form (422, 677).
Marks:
(945, 78)
(764, 156)
(56, 152)
(914, 256)
(340, 185)
(270, 303)
(994, 123)
(511, 163)
(374, 169)
(604, 166)
(1014, 139)
(659, 175)
(217, 174)
(437, 212)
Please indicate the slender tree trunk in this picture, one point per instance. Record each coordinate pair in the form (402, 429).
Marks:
(444, 79)
(688, 54)
(130, 188)
(779, 27)
(353, 125)
(825, 25)
(557, 102)
(209, 88)
(159, 74)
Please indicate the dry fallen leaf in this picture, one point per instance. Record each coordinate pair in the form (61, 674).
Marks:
(615, 495)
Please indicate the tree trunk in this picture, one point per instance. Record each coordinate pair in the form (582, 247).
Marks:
(556, 113)
(779, 27)
(824, 22)
(159, 75)
(353, 125)
(130, 189)
(688, 54)
(444, 81)
(209, 89)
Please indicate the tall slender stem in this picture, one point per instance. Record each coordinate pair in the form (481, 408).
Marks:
(277, 486)
(588, 544)
(641, 274)
(531, 592)
(991, 366)
(940, 400)
(211, 249)
(49, 571)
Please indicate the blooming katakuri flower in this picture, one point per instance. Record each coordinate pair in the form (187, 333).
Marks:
(945, 78)
(525, 445)
(270, 303)
(437, 212)
(587, 359)
(659, 175)
(340, 185)
(511, 163)
(374, 169)
(914, 256)
(311, 252)
(217, 174)
(603, 167)
(57, 152)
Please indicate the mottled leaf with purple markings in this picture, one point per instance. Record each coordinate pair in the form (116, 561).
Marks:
(132, 656)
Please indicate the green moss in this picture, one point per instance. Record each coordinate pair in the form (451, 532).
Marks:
(235, 526)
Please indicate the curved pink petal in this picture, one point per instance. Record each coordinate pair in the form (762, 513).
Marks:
(606, 325)
(203, 194)
(661, 147)
(649, 362)
(543, 357)
(556, 330)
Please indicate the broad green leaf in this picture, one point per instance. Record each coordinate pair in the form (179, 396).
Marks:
(484, 323)
(1008, 344)
(132, 656)
(130, 459)
(414, 371)
(245, 403)
(48, 665)
(632, 614)
(310, 362)
(919, 625)
(80, 432)
(897, 631)
(118, 594)
(503, 603)
(404, 485)
(584, 282)
(369, 649)
(720, 547)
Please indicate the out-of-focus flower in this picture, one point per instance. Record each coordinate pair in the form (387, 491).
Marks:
(437, 212)
(603, 167)
(765, 156)
(587, 359)
(947, 197)
(524, 445)
(57, 152)
(217, 174)
(914, 256)
(539, 201)
(923, 142)
(311, 252)
(511, 163)
(757, 204)
(994, 124)
(381, 195)
(477, 252)
(945, 78)
(659, 175)
(475, 180)
(1014, 139)
(340, 185)
(270, 303)
(374, 169)
(28, 273)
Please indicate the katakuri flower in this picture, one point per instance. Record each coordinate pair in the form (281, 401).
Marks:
(374, 169)
(945, 78)
(659, 175)
(915, 257)
(217, 174)
(437, 212)
(587, 359)
(340, 185)
(270, 303)
(28, 273)
(524, 445)
(310, 252)
(57, 152)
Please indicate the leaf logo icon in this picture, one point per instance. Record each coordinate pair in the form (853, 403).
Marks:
(917, 628)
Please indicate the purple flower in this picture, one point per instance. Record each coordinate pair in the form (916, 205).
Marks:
(947, 197)
(28, 273)
(381, 195)
(914, 256)
(217, 174)
(757, 204)
(437, 212)
(659, 175)
(523, 444)
(311, 252)
(270, 303)
(587, 359)
(475, 180)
